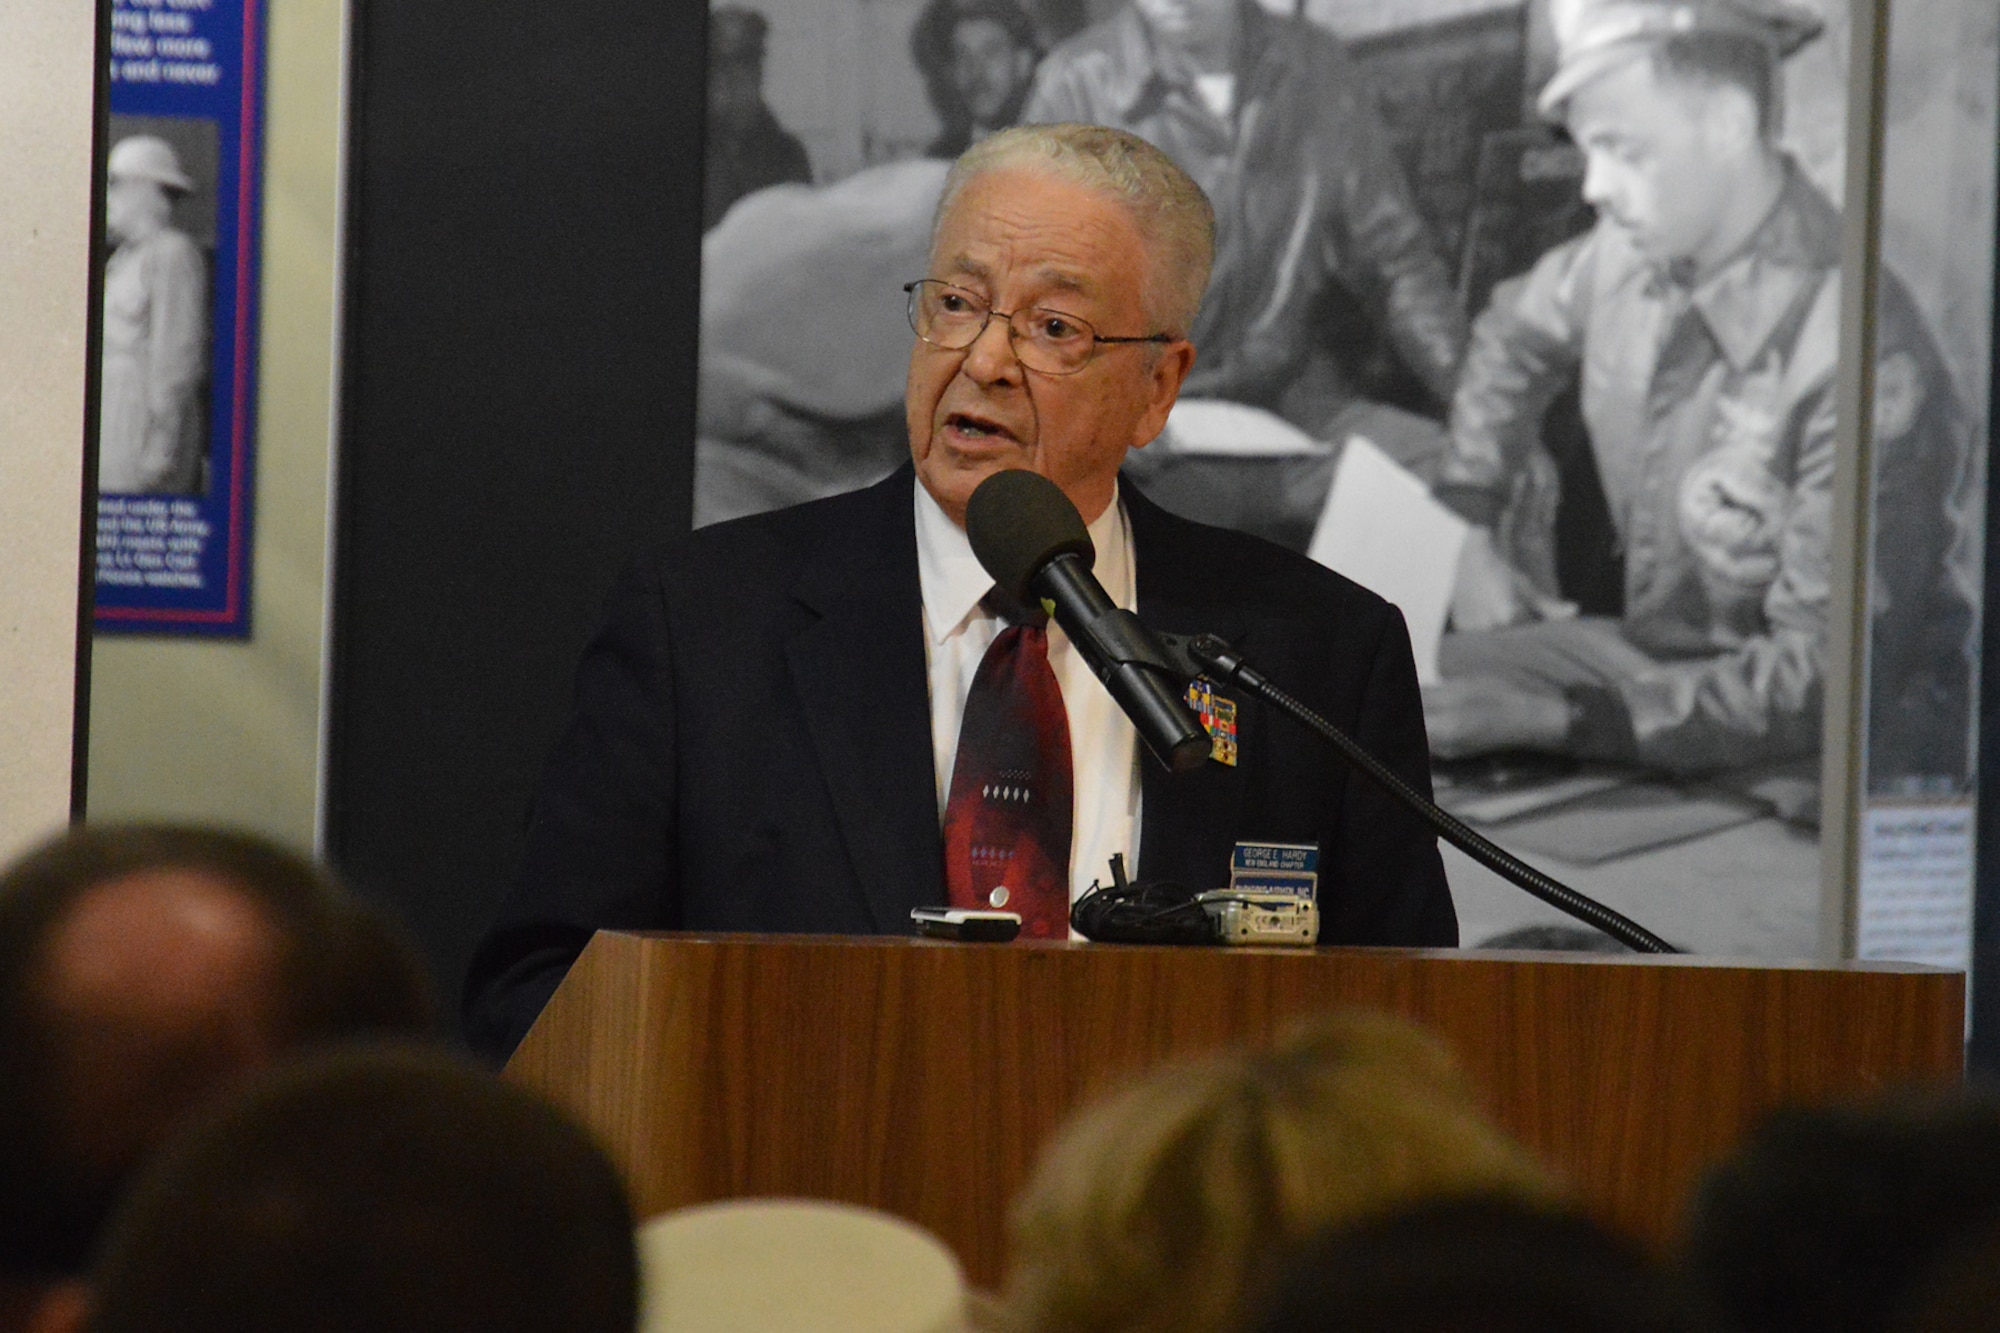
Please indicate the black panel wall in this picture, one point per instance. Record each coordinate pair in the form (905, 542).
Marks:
(1983, 1052)
(518, 399)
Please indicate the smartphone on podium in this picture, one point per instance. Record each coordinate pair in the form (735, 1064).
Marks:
(966, 923)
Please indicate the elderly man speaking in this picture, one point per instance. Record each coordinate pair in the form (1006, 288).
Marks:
(805, 720)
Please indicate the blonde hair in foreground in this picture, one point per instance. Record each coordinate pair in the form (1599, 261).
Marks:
(1158, 1209)
(1170, 209)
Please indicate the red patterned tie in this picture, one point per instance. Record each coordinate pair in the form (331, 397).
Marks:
(1007, 822)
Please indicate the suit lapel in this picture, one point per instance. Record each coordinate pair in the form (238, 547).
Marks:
(863, 688)
(1185, 814)
(859, 672)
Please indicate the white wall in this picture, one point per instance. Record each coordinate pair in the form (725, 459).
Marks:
(46, 87)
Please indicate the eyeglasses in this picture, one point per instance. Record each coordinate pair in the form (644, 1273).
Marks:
(1046, 341)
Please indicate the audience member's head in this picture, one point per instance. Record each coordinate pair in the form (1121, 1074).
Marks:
(372, 1189)
(769, 1265)
(1159, 1208)
(1832, 1219)
(1486, 1264)
(1960, 1292)
(140, 969)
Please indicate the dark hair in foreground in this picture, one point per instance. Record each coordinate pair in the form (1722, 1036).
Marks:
(374, 1189)
(1960, 1293)
(1832, 1219)
(341, 969)
(1487, 1264)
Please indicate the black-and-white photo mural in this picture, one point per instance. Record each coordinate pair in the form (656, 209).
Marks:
(1527, 316)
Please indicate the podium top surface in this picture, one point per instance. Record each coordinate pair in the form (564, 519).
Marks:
(1267, 952)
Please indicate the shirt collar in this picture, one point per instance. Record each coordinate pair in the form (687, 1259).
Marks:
(1783, 262)
(953, 582)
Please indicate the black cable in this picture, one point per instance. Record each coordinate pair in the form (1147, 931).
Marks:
(1228, 666)
(1148, 912)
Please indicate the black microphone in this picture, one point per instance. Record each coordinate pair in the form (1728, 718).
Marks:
(1030, 538)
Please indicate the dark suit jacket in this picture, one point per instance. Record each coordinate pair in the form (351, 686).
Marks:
(751, 748)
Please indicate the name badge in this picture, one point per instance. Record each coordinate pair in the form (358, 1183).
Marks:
(1276, 867)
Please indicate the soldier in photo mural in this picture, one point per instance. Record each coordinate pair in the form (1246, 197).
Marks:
(747, 148)
(1314, 219)
(977, 59)
(151, 426)
(1700, 317)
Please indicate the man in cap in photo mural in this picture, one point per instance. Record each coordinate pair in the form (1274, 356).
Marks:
(1700, 316)
(151, 423)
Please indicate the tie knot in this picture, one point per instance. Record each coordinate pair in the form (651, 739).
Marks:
(997, 602)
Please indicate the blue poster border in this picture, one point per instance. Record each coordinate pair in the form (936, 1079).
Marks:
(220, 605)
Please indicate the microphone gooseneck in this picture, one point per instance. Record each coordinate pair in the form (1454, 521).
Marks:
(1225, 665)
(1033, 542)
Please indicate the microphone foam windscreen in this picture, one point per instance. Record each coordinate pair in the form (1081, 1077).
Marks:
(1018, 522)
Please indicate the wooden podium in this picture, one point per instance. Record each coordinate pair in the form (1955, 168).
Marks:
(922, 1077)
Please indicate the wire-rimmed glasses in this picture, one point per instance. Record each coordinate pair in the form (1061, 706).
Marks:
(1050, 342)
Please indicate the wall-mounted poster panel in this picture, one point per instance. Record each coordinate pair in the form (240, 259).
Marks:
(177, 374)
(1933, 391)
(1560, 292)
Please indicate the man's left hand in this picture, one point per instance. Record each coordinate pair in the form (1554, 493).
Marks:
(1474, 715)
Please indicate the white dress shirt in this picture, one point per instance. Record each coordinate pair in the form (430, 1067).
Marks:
(957, 632)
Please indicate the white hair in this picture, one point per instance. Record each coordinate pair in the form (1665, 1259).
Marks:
(1171, 211)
